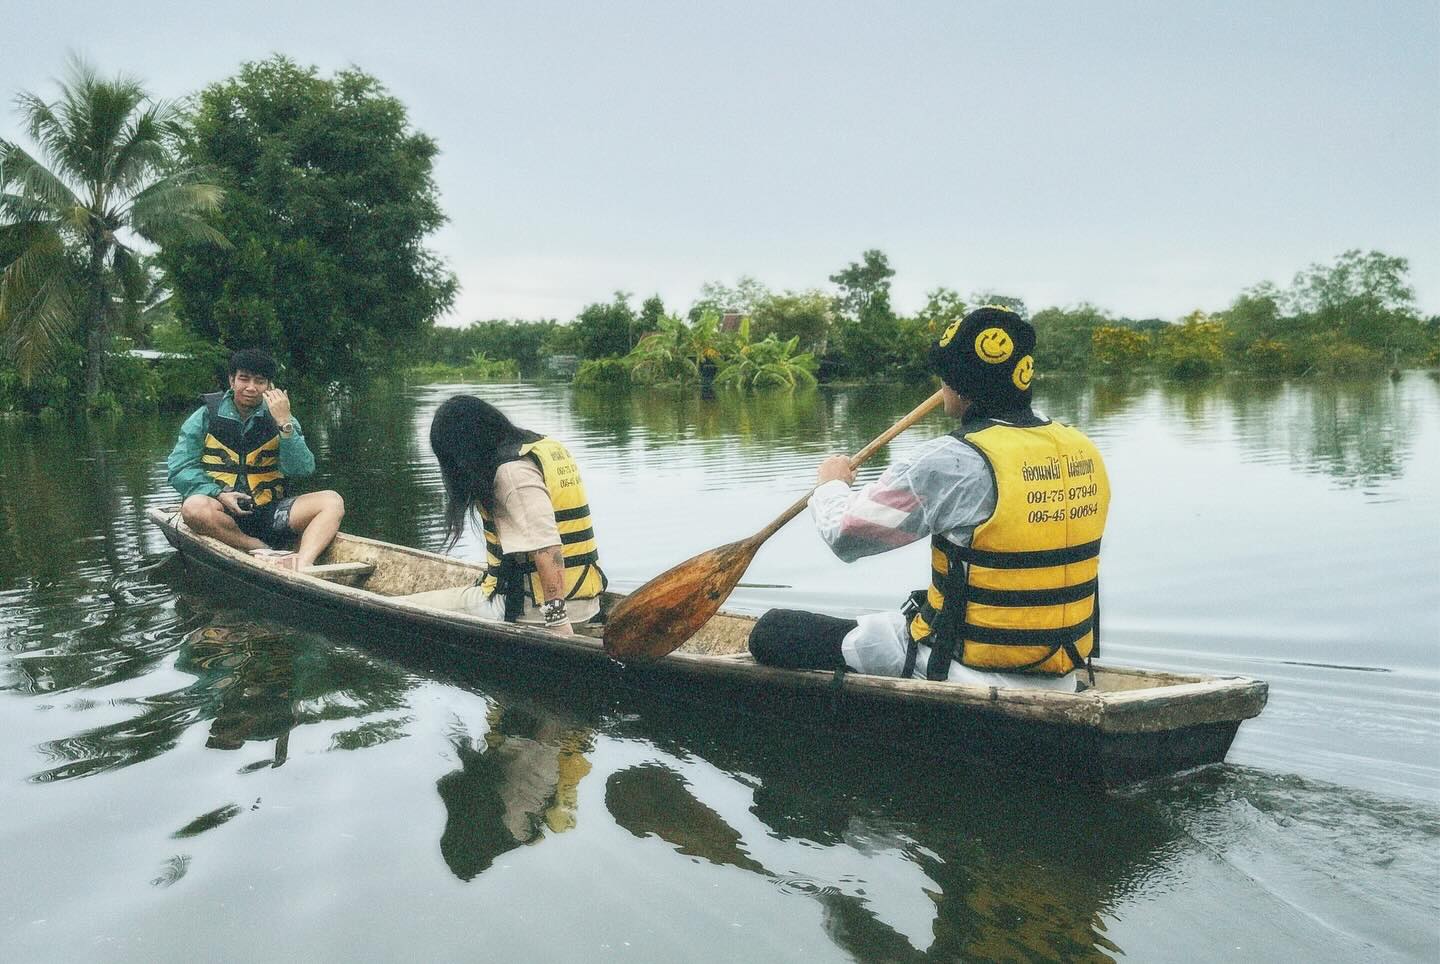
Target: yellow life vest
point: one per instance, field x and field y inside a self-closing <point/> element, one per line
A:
<point x="583" y="576"/>
<point x="240" y="458"/>
<point x="1024" y="596"/>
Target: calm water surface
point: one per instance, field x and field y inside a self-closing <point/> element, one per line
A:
<point x="189" y="774"/>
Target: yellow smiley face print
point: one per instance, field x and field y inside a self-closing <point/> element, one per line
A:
<point x="993" y="345"/>
<point x="1024" y="371"/>
<point x="949" y="334"/>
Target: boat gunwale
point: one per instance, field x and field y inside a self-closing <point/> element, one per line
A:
<point x="1185" y="699"/>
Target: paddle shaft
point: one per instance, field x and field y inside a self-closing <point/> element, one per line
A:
<point x="856" y="460"/>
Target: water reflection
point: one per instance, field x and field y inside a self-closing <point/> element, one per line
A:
<point x="254" y="683"/>
<point x="517" y="782"/>
<point x="373" y="448"/>
<point x="1357" y="433"/>
<point x="253" y="674"/>
<point x="653" y="800"/>
<point x="1008" y="871"/>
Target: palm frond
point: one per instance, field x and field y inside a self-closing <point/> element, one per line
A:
<point x="142" y="150"/>
<point x="130" y="271"/>
<point x="174" y="209"/>
<point x="39" y="308"/>
<point x="92" y="113"/>
<point x="45" y="127"/>
<point x="35" y="183"/>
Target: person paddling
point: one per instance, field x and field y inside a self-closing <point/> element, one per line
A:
<point x="1014" y="505"/>
<point x="233" y="463"/>
<point x="542" y="561"/>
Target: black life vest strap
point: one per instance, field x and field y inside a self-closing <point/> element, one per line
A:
<point x="510" y="584"/>
<point x="913" y="604"/>
<point x="947" y="639"/>
<point x="1039" y="559"/>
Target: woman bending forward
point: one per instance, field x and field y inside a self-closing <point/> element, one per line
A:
<point x="542" y="565"/>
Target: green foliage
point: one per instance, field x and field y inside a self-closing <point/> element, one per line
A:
<point x="524" y="343"/>
<point x="676" y="352"/>
<point x="199" y="365"/>
<point x="982" y="298"/>
<point x="57" y="390"/>
<point x="478" y="368"/>
<point x="769" y="365"/>
<point x="887" y="348"/>
<point x="132" y="384"/>
<point x="1118" y="349"/>
<point x="1344" y="359"/>
<point x="1268" y="357"/>
<point x="603" y="373"/>
<point x="561" y="340"/>
<point x="651" y="313"/>
<point x="1194" y="348"/>
<point x="1064" y="337"/>
<point x="329" y="196"/>
<point x="106" y="170"/>
<point x="871" y="342"/>
<point x="606" y="330"/>
<point x="1361" y="301"/>
<point x="942" y="307"/>
<point x="806" y="315"/>
<point x="864" y="287"/>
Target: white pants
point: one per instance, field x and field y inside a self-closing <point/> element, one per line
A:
<point x="471" y="600"/>
<point x="877" y="646"/>
<point x="461" y="599"/>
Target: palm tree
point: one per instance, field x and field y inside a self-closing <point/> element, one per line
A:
<point x="770" y="364"/>
<point x="109" y="173"/>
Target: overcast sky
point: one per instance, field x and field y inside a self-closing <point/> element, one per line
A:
<point x="1148" y="157"/>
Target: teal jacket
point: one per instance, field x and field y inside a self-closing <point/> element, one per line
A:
<point x="188" y="478"/>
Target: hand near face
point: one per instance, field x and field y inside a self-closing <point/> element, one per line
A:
<point x="835" y="467"/>
<point x="278" y="401"/>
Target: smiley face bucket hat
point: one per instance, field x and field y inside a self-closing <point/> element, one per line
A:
<point x="988" y="356"/>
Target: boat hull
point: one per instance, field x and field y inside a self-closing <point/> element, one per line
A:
<point x="1151" y="724"/>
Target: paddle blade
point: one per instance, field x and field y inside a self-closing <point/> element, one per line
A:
<point x="657" y="618"/>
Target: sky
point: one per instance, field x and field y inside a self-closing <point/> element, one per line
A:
<point x="1148" y="158"/>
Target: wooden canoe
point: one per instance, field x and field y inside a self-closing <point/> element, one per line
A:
<point x="1133" y="724"/>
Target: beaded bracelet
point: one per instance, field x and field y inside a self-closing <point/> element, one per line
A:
<point x="553" y="611"/>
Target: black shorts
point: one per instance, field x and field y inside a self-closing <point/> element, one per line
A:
<point x="270" y="523"/>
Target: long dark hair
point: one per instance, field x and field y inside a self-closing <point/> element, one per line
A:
<point x="471" y="439"/>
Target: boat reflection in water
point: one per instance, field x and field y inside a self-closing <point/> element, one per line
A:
<point x="513" y="786"/>
<point x="905" y="862"/>
<point x="904" y="858"/>
<point x="251" y="674"/>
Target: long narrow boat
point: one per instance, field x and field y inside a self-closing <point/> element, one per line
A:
<point x="1132" y="724"/>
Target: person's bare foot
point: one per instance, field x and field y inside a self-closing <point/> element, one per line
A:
<point x="289" y="561"/>
<point x="279" y="558"/>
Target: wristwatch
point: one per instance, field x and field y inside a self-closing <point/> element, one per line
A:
<point x="288" y="429"/>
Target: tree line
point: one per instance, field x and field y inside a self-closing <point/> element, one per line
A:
<point x="1354" y="316"/>
<point x="286" y="210"/>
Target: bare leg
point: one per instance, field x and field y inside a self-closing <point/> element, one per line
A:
<point x="208" y="517"/>
<point x="316" y="516"/>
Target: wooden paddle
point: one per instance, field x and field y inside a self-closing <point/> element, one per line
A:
<point x="657" y="618"/>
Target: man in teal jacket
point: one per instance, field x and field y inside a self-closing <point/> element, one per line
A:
<point x="232" y="464"/>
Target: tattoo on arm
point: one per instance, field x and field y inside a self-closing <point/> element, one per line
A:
<point x="550" y="565"/>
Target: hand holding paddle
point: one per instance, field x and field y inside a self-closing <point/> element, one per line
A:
<point x="657" y="618"/>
